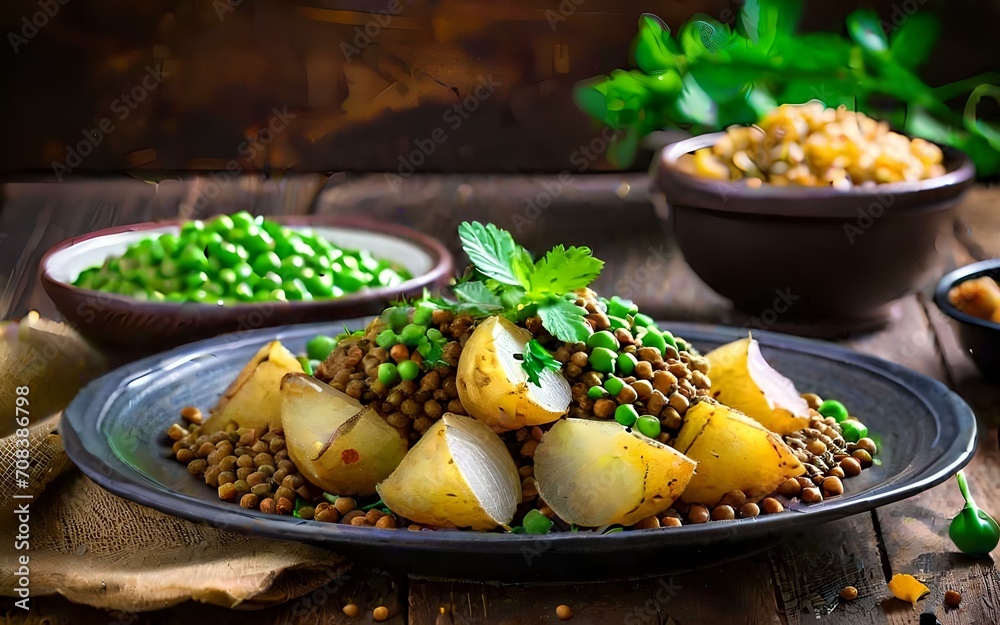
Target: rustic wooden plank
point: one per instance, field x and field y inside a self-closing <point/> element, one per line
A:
<point x="691" y="597"/>
<point x="977" y="217"/>
<point x="915" y="531"/>
<point x="810" y="572"/>
<point x="322" y="606"/>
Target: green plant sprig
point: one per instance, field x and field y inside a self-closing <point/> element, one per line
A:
<point x="507" y="281"/>
<point x="711" y="76"/>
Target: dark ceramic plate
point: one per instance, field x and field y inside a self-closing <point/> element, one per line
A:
<point x="114" y="429"/>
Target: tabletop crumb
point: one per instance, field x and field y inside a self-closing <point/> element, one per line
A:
<point x="849" y="593"/>
<point x="564" y="612"/>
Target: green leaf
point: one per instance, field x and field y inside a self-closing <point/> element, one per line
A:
<point x="562" y="270"/>
<point x="865" y="29"/>
<point x="476" y="293"/>
<point x="972" y="122"/>
<point x="695" y="106"/>
<point x="652" y="49"/>
<point x="748" y="21"/>
<point x="491" y="250"/>
<point x="564" y="320"/>
<point x="536" y="359"/>
<point x="622" y="150"/>
<point x="911" y="43"/>
<point x="703" y="36"/>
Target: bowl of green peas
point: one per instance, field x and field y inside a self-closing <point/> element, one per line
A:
<point x="146" y="287"/>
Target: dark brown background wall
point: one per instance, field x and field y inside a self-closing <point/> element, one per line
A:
<point x="217" y="72"/>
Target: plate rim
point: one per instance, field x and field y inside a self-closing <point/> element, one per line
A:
<point x="133" y="486"/>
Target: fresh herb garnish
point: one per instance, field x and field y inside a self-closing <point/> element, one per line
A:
<point x="537" y="359"/>
<point x="710" y="76"/>
<point x="512" y="284"/>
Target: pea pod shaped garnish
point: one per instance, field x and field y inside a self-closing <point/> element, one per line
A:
<point x="973" y="531"/>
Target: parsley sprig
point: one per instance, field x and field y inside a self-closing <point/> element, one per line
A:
<point x="536" y="359"/>
<point x="508" y="281"/>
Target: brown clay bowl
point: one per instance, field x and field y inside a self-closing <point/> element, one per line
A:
<point x="138" y="327"/>
<point x="808" y="260"/>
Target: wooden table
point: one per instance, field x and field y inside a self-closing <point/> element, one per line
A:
<point x="795" y="582"/>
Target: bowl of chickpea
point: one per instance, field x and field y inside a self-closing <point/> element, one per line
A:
<point x="827" y="211"/>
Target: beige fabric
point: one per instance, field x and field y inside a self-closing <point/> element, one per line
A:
<point x="98" y="549"/>
<point x="101" y="550"/>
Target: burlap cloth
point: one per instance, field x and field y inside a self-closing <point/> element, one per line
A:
<point x="98" y="549"/>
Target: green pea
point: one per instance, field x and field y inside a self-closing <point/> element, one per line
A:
<point x="411" y="334"/>
<point x="388" y="277"/>
<point x="321" y="263"/>
<point x="258" y="241"/>
<point x="614" y="385"/>
<point x="243" y="219"/>
<point x="668" y="337"/>
<point x="648" y="425"/>
<point x="422" y="314"/>
<point x="283" y="242"/>
<point x="176" y="297"/>
<point x="853" y="430"/>
<point x="435" y="335"/>
<point x="262" y="294"/>
<point x="537" y="523"/>
<point x="291" y="266"/>
<point x="228" y="253"/>
<point x="279" y="295"/>
<point x="388" y="374"/>
<point x="350" y="262"/>
<point x="833" y="408"/>
<point x="319" y="348"/>
<point x="642" y="321"/>
<point x="243" y="270"/>
<point x="228" y="277"/>
<point x="627" y="363"/>
<point x="156" y="296"/>
<point x="618" y="322"/>
<point x="203" y="296"/>
<point x="621" y="307"/>
<point x="306" y="367"/>
<point x="196" y="280"/>
<point x="192" y="258"/>
<point x="351" y="280"/>
<point x="206" y="238"/>
<point x="320" y="285"/>
<point x="170" y="285"/>
<point x="192" y="228"/>
<point x="603" y="339"/>
<point x="597" y="392"/>
<point x="296" y="290"/>
<point x="408" y="370"/>
<point x="269" y="281"/>
<point x="243" y="292"/>
<point x="386" y="339"/>
<point x="267" y="262"/>
<point x="170" y="243"/>
<point x="626" y="414"/>
<point x="222" y="224"/>
<point x="367" y="262"/>
<point x="654" y="339"/>
<point x="603" y="359"/>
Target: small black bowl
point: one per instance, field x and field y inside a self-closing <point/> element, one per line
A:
<point x="980" y="336"/>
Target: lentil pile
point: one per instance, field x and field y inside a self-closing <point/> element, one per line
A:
<point x="404" y="366"/>
<point x="255" y="472"/>
<point x="810" y="145"/>
<point x="388" y="367"/>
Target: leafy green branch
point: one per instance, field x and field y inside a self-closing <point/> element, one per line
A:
<point x="710" y="76"/>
